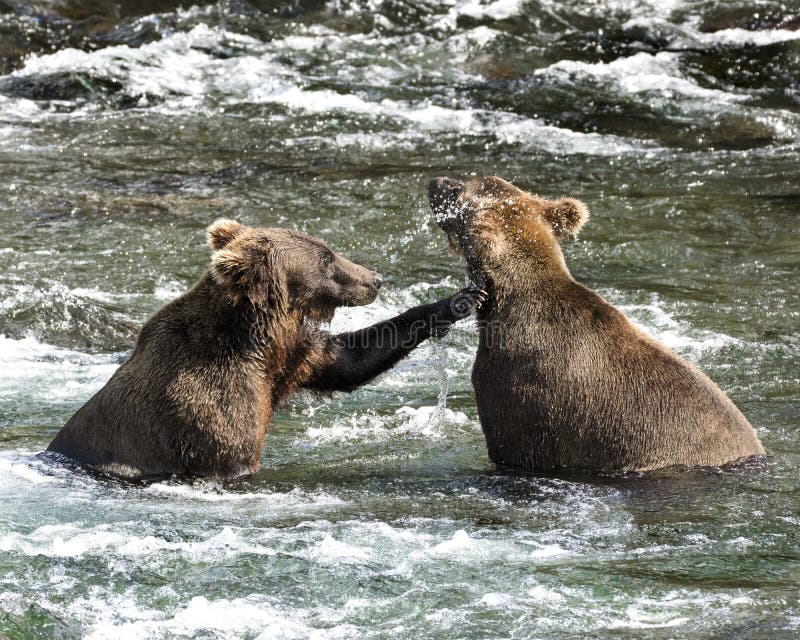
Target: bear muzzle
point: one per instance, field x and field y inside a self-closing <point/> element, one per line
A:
<point x="443" y="194"/>
<point x="364" y="290"/>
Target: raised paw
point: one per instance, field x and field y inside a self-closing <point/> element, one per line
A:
<point x="467" y="301"/>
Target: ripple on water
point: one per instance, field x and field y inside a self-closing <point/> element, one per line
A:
<point x="377" y="514"/>
<point x="33" y="370"/>
<point x="180" y="74"/>
<point x="554" y="566"/>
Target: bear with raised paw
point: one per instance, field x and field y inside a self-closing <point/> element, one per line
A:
<point x="562" y="379"/>
<point x="209" y="368"/>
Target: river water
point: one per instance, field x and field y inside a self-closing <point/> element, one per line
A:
<point x="125" y="131"/>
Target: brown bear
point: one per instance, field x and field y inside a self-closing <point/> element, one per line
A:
<point x="210" y="367"/>
<point x="562" y="379"/>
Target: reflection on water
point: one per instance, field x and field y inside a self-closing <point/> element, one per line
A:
<point x="126" y="127"/>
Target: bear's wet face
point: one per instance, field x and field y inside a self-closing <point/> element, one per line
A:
<point x="339" y="282"/>
<point x="485" y="218"/>
<point x="443" y="195"/>
<point x="287" y="270"/>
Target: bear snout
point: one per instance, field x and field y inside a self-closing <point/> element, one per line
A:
<point x="357" y="285"/>
<point x="371" y="284"/>
<point x="442" y="195"/>
<point x="367" y="292"/>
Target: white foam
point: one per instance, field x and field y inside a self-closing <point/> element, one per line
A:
<point x="178" y="70"/>
<point x="510" y="129"/>
<point x="22" y="470"/>
<point x="254" y="616"/>
<point x="468" y="41"/>
<point x="43" y="371"/>
<point x="548" y="551"/>
<point x="650" y="8"/>
<point x="742" y="543"/>
<point x="458" y="544"/>
<point x="421" y="418"/>
<point x="167" y="289"/>
<point x="784" y="124"/>
<point x="333" y="552"/>
<point x="495" y="10"/>
<point x="541" y="595"/>
<point x="670" y="609"/>
<point x="315" y="37"/>
<point x="687" y="35"/>
<point x="112" y="541"/>
<point x="508" y="9"/>
<point x="176" y="64"/>
<point x="423" y="422"/>
<point x="415" y="550"/>
<point x="638" y="619"/>
<point x="743" y="37"/>
<point x="497" y="600"/>
<point x="20" y="111"/>
<point x="95" y="294"/>
<point x="658" y="74"/>
<point x="295" y="500"/>
<point x="654" y="319"/>
<point x="505" y="127"/>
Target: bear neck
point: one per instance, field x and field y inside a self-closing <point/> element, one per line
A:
<point x="525" y="289"/>
<point x="243" y="326"/>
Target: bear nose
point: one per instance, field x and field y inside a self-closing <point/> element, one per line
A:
<point x="442" y="195"/>
<point x="378" y="281"/>
<point x="442" y="187"/>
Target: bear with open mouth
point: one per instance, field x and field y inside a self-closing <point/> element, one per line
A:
<point x="562" y="379"/>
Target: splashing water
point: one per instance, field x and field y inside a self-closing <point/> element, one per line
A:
<point x="125" y="128"/>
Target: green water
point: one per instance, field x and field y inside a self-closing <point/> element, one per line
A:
<point x="124" y="132"/>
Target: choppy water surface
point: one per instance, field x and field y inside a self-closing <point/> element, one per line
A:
<point x="124" y="132"/>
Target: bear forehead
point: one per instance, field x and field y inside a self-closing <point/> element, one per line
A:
<point x="278" y="237"/>
<point x="491" y="187"/>
<point x="495" y="195"/>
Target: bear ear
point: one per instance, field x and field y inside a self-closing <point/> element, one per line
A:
<point x="565" y="215"/>
<point x="251" y="277"/>
<point x="221" y="232"/>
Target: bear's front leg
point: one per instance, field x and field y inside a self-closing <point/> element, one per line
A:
<point x="361" y="355"/>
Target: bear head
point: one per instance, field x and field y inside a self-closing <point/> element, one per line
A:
<point x="286" y="271"/>
<point x="503" y="232"/>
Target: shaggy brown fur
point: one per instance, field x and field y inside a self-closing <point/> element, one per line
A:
<point x="197" y="394"/>
<point x="562" y="379"/>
